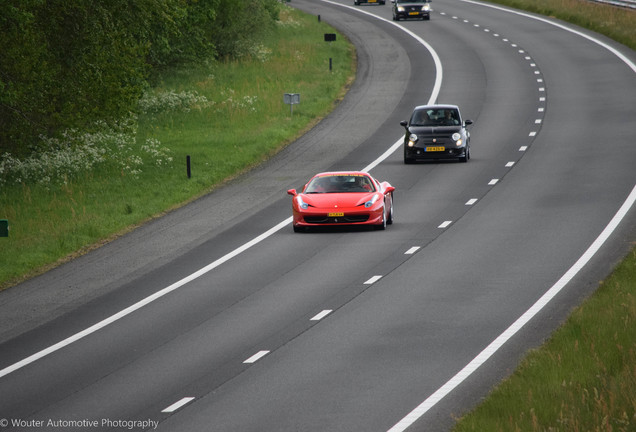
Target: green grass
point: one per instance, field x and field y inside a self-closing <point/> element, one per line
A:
<point x="582" y="379"/>
<point x="237" y="120"/>
<point x="616" y="23"/>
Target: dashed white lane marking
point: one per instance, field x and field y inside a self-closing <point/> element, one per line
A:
<point x="500" y="341"/>
<point x="373" y="280"/>
<point x="175" y="406"/>
<point x="493" y="182"/>
<point x="321" y="315"/>
<point x="504" y="337"/>
<point x="471" y="201"/>
<point x="412" y="250"/>
<point x="256" y="357"/>
<point x="445" y="224"/>
<point x="510" y="164"/>
<point x="285" y="223"/>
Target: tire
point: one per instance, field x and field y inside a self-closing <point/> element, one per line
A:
<point x="390" y="220"/>
<point x="466" y="157"/>
<point x="407" y="160"/>
<point x="382" y="226"/>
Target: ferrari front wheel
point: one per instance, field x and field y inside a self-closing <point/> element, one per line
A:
<point x="382" y="225"/>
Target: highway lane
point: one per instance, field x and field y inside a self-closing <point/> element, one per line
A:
<point x="385" y="346"/>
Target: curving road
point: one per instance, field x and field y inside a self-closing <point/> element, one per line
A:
<point x="218" y="317"/>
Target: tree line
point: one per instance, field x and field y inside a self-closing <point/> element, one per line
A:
<point x="67" y="64"/>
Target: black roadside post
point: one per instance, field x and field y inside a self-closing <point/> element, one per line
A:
<point x="330" y="37"/>
<point x="188" y="166"/>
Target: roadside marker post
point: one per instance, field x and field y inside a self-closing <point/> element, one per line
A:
<point x="291" y="99"/>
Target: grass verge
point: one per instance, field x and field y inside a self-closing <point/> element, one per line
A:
<point x="228" y="117"/>
<point x="614" y="22"/>
<point x="584" y="377"/>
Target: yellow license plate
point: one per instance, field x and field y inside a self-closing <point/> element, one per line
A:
<point x="335" y="214"/>
<point x="414" y="13"/>
<point x="434" y="149"/>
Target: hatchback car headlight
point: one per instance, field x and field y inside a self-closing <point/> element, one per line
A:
<point x="400" y="8"/>
<point x="372" y="201"/>
<point x="412" y="140"/>
<point x="458" y="139"/>
<point x="426" y="7"/>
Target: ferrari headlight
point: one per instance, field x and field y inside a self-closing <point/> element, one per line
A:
<point x="302" y="204"/>
<point x="372" y="201"/>
<point x="412" y="140"/>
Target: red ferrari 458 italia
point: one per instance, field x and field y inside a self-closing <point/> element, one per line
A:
<point x="343" y="198"/>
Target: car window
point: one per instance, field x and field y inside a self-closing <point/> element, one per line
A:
<point x="339" y="184"/>
<point x="435" y="117"/>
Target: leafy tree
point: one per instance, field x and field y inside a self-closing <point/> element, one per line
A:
<point x="67" y="64"/>
<point x="240" y="22"/>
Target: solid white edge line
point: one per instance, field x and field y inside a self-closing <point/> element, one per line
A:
<point x="145" y="301"/>
<point x="614" y="51"/>
<point x="495" y="345"/>
<point x="436" y="89"/>
<point x="175" y="406"/>
<point x="420" y="410"/>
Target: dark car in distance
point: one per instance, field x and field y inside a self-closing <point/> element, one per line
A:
<point x="405" y="9"/>
<point x="436" y="132"/>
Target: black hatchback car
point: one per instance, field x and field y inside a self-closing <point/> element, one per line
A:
<point x="403" y="9"/>
<point x="436" y="132"/>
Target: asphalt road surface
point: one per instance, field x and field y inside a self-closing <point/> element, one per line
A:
<point x="218" y="317"/>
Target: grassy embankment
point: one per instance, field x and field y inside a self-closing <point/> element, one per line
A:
<point x="228" y="117"/>
<point x="584" y="377"/>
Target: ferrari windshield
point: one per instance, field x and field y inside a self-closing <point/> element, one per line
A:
<point x="340" y="184"/>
